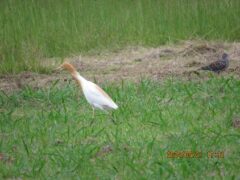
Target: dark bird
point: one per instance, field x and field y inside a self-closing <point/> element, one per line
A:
<point x="219" y="65"/>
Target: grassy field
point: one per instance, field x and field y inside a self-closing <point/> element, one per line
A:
<point x="34" y="30"/>
<point x="50" y="133"/>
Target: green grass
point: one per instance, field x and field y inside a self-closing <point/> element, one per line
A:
<point x="33" y="30"/>
<point x="50" y="134"/>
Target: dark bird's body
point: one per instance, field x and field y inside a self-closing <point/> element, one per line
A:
<point x="219" y="65"/>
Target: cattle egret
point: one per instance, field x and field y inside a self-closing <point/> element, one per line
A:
<point x="95" y="96"/>
<point x="219" y="65"/>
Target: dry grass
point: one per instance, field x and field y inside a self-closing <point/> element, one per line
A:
<point x="134" y="63"/>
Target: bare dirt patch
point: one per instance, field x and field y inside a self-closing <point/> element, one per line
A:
<point x="133" y="63"/>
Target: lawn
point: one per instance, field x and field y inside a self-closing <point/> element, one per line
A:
<point x="49" y="133"/>
<point x="32" y="31"/>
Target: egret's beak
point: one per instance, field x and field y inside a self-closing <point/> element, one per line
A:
<point x="58" y="69"/>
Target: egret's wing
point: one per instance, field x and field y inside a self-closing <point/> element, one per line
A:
<point x="100" y="97"/>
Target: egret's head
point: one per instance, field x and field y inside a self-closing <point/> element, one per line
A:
<point x="68" y="67"/>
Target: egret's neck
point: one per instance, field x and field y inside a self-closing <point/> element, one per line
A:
<point x="80" y="80"/>
<point x="70" y="68"/>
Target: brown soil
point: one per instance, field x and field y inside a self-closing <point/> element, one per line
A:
<point x="181" y="60"/>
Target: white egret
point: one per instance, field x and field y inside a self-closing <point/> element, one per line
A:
<point x="95" y="96"/>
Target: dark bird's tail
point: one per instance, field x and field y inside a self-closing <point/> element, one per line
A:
<point x="205" y="68"/>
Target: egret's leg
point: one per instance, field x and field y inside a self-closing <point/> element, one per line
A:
<point x="112" y="118"/>
<point x="93" y="115"/>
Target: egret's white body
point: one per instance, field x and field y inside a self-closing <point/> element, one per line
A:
<point x="95" y="96"/>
